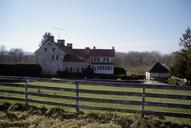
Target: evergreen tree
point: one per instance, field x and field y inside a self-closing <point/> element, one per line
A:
<point x="181" y="66"/>
<point x="46" y="37"/>
<point x="185" y="40"/>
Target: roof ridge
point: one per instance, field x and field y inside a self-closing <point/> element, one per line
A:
<point x="159" y="68"/>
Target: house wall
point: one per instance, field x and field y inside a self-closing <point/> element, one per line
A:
<point x="74" y="66"/>
<point x="102" y="59"/>
<point x="159" y="76"/>
<point x="79" y="67"/>
<point x="102" y="64"/>
<point x="50" y="58"/>
<point x="103" y="69"/>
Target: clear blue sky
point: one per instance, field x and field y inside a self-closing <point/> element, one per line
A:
<point x="128" y="25"/>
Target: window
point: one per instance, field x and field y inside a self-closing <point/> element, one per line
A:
<point x="82" y="69"/>
<point x="53" y="49"/>
<point x="66" y="68"/>
<point x="77" y="69"/>
<point x="96" y="59"/>
<point x="56" y="57"/>
<point x="52" y="57"/>
<point x="45" y="49"/>
<point x="108" y="59"/>
<point x="70" y="69"/>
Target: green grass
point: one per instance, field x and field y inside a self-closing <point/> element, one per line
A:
<point x="104" y="96"/>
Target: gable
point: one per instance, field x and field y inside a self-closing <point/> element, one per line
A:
<point x="48" y="44"/>
<point x="159" y="68"/>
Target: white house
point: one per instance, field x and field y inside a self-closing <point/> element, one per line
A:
<point x="56" y="56"/>
<point x="158" y="72"/>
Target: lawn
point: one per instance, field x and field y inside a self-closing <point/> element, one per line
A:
<point x="103" y="96"/>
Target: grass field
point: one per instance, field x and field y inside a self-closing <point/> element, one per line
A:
<point x="102" y="96"/>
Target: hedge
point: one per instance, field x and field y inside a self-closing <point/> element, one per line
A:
<point x="119" y="71"/>
<point x="67" y="74"/>
<point x="132" y="77"/>
<point x="20" y="69"/>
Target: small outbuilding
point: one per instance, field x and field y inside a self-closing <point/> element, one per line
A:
<point x="158" y="72"/>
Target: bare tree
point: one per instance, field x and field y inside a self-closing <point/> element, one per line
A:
<point x="15" y="55"/>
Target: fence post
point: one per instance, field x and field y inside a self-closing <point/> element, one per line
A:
<point x="77" y="96"/>
<point x="143" y="99"/>
<point x="26" y="92"/>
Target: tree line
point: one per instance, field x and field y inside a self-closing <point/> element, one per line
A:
<point x="181" y="65"/>
<point x="15" y="56"/>
<point x="139" y="62"/>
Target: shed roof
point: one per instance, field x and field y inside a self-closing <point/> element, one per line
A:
<point x="159" y="68"/>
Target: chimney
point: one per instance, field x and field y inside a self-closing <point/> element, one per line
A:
<point x="87" y="50"/>
<point x="94" y="47"/>
<point x="61" y="42"/>
<point x="113" y="48"/>
<point x="69" y="45"/>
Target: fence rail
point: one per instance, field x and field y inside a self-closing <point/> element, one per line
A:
<point x="143" y="94"/>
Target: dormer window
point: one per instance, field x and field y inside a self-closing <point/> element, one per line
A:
<point x="53" y="49"/>
<point x="45" y="49"/>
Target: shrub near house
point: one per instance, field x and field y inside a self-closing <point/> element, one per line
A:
<point x="20" y="69"/>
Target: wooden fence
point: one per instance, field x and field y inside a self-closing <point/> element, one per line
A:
<point x="77" y="90"/>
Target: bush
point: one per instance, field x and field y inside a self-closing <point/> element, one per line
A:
<point x="132" y="77"/>
<point x="119" y="71"/>
<point x="88" y="72"/>
<point x="76" y="75"/>
<point x="178" y="81"/>
<point x="105" y="76"/>
<point x="174" y="81"/>
<point x="64" y="73"/>
<point x="20" y="69"/>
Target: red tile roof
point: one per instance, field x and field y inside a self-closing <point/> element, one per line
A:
<point x="80" y="55"/>
<point x="77" y="55"/>
<point x="102" y="52"/>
